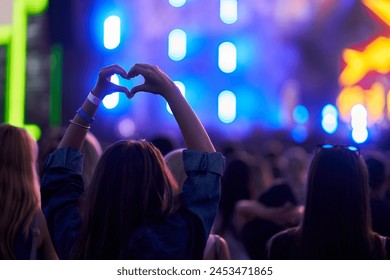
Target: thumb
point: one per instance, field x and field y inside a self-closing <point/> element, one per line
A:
<point x="117" y="88"/>
<point x="138" y="88"/>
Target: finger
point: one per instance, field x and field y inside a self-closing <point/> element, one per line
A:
<point x="117" y="88"/>
<point x="139" y="69"/>
<point x="111" y="70"/>
<point x="138" y="88"/>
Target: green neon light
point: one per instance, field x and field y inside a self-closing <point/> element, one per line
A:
<point x="15" y="36"/>
<point x="56" y="85"/>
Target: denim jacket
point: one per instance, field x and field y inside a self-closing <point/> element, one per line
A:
<point x="181" y="235"/>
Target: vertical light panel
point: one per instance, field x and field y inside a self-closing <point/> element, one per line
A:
<point x="112" y="32"/>
<point x="359" y="123"/>
<point x="227" y="57"/>
<point x="329" y="121"/>
<point x="182" y="89"/>
<point x="177" y="3"/>
<point x="227" y="106"/>
<point x="228" y="11"/>
<point x="177" y="44"/>
<point x="112" y="100"/>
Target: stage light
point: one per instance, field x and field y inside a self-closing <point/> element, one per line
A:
<point x="182" y="89"/>
<point x="330" y="109"/>
<point x="227" y="57"/>
<point x="299" y="133"/>
<point x="112" y="32"/>
<point x="360" y="135"/>
<point x="359" y="123"/>
<point x="227" y="106"/>
<point x="177" y="44"/>
<point x="228" y="11"/>
<point x="329" y="123"/>
<point x="177" y="3"/>
<point x="358" y="117"/>
<point x="126" y="127"/>
<point x="112" y="100"/>
<point x="301" y="114"/>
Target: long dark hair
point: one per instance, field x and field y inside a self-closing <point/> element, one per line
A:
<point x="131" y="184"/>
<point x="336" y="222"/>
<point x="19" y="186"/>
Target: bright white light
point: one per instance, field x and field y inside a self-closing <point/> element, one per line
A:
<point x="177" y="44"/>
<point x="360" y="135"/>
<point x="182" y="89"/>
<point x="330" y="110"/>
<point x="126" y="127"/>
<point x="177" y="3"/>
<point x="227" y="106"/>
<point x="358" y="117"/>
<point x="228" y="11"/>
<point x="227" y="57"/>
<point x="112" y="32"/>
<point x="329" y="123"/>
<point x="112" y="100"/>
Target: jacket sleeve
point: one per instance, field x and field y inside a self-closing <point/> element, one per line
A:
<point x="61" y="188"/>
<point x="201" y="190"/>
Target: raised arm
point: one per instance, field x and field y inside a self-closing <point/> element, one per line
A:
<point x="79" y="125"/>
<point x="156" y="81"/>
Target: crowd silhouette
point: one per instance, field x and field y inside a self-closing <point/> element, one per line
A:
<point x="139" y="199"/>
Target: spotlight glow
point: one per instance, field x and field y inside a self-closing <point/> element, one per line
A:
<point x="177" y="44"/>
<point x="112" y="32"/>
<point x="228" y="11"/>
<point x="329" y="123"/>
<point x="301" y="114"/>
<point x="177" y="3"/>
<point x="299" y="133"/>
<point x="227" y="57"/>
<point x="330" y="109"/>
<point x="360" y="135"/>
<point x="329" y="119"/>
<point x="112" y="100"/>
<point x="126" y="128"/>
<point x="358" y="117"/>
<point x="227" y="106"/>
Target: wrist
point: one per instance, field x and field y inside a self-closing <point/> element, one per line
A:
<point x="94" y="99"/>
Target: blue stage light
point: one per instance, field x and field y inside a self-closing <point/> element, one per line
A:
<point x="301" y="114"/>
<point x="112" y="32"/>
<point x="227" y="57"/>
<point x="177" y="44"/>
<point x="177" y="3"/>
<point x="227" y="106"/>
<point x="228" y="11"/>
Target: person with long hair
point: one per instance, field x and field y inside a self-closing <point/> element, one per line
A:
<point x="23" y="229"/>
<point x="336" y="222"/>
<point x="128" y="209"/>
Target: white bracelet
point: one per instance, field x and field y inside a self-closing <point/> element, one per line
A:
<point x="95" y="100"/>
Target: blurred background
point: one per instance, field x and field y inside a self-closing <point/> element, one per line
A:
<point x="302" y="71"/>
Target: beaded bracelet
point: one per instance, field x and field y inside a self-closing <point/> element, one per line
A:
<point x="79" y="124"/>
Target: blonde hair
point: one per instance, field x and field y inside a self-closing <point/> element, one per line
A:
<point x="19" y="185"/>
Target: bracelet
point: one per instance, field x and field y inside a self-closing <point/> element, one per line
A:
<point x="79" y="124"/>
<point x="85" y="116"/>
<point x="94" y="100"/>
